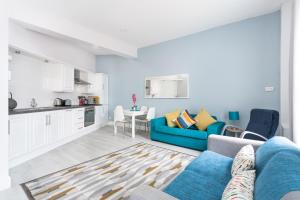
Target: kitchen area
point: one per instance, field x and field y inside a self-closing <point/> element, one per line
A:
<point x="51" y="103"/>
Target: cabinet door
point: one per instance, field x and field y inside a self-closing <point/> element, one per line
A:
<point x="92" y="88"/>
<point x="54" y="126"/>
<point x="59" y="78"/>
<point x="68" y="78"/>
<point x="105" y="115"/>
<point x="102" y="87"/>
<point x="18" y="135"/>
<point x="37" y="130"/>
<point x="78" y="120"/>
<point x="68" y="123"/>
<point x="98" y="114"/>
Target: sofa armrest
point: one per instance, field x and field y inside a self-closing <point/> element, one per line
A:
<point x="145" y="192"/>
<point x="161" y="121"/>
<point x="293" y="195"/>
<point x="215" y="128"/>
<point x="229" y="146"/>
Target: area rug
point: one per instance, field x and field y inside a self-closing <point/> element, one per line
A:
<point x="113" y="176"/>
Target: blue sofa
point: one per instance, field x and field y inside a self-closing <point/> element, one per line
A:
<point x="277" y="172"/>
<point x="190" y="138"/>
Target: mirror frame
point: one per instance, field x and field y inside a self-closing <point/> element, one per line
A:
<point x="171" y="76"/>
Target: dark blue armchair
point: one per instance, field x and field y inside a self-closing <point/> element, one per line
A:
<point x="262" y="125"/>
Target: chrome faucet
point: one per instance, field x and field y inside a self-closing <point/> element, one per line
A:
<point x="33" y="103"/>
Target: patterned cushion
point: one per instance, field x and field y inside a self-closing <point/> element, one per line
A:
<point x="203" y="120"/>
<point x="241" y="186"/>
<point x="244" y="160"/>
<point x="170" y="117"/>
<point x="185" y="120"/>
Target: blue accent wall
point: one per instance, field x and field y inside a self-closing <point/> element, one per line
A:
<point x="229" y="67"/>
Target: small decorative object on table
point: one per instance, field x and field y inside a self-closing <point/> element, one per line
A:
<point x="233" y="116"/>
<point x="134" y="107"/>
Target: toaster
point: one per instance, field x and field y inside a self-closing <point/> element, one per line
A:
<point x="68" y="102"/>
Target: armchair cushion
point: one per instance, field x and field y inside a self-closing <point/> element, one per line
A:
<point x="263" y="122"/>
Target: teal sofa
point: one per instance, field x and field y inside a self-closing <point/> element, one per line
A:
<point x="190" y="138"/>
<point x="277" y="165"/>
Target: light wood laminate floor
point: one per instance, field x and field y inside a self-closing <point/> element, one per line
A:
<point x="90" y="146"/>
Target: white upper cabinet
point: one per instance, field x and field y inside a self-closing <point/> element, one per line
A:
<point x="102" y="87"/>
<point x="60" y="77"/>
<point x="92" y="88"/>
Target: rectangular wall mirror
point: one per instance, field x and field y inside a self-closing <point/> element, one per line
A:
<point x="172" y="86"/>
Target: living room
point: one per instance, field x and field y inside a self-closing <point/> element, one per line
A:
<point x="150" y="100"/>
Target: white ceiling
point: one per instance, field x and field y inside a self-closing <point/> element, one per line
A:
<point x="145" y="22"/>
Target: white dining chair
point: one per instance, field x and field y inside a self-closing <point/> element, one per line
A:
<point x="144" y="108"/>
<point x="119" y="118"/>
<point x="150" y="115"/>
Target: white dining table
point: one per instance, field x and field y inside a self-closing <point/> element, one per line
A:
<point x="133" y="114"/>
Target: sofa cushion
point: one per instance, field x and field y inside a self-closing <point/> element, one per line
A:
<point x="190" y="186"/>
<point x="185" y="120"/>
<point x="204" y="119"/>
<point x="205" y="178"/>
<point x="183" y="132"/>
<point x="243" y="160"/>
<point x="265" y="152"/>
<point x="279" y="176"/>
<point x="213" y="164"/>
<point x="241" y="186"/>
<point x="170" y="117"/>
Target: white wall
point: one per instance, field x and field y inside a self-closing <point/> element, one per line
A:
<point x="296" y="78"/>
<point x="286" y="65"/>
<point x="4" y="177"/>
<point x="59" y="50"/>
<point x="28" y="80"/>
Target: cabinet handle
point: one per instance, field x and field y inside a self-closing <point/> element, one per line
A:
<point x="49" y="119"/>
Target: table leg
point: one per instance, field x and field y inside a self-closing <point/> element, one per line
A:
<point x="133" y="126"/>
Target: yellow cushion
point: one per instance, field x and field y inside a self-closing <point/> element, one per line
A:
<point x="203" y="120"/>
<point x="171" y="117"/>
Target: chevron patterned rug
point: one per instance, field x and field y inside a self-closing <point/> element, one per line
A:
<point x="113" y="176"/>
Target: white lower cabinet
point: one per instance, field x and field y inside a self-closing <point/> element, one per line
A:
<point x="78" y="120"/>
<point x="101" y="115"/>
<point x="54" y="126"/>
<point x="68" y="123"/>
<point x="33" y="134"/>
<point x="18" y="135"/>
<point x="37" y="130"/>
